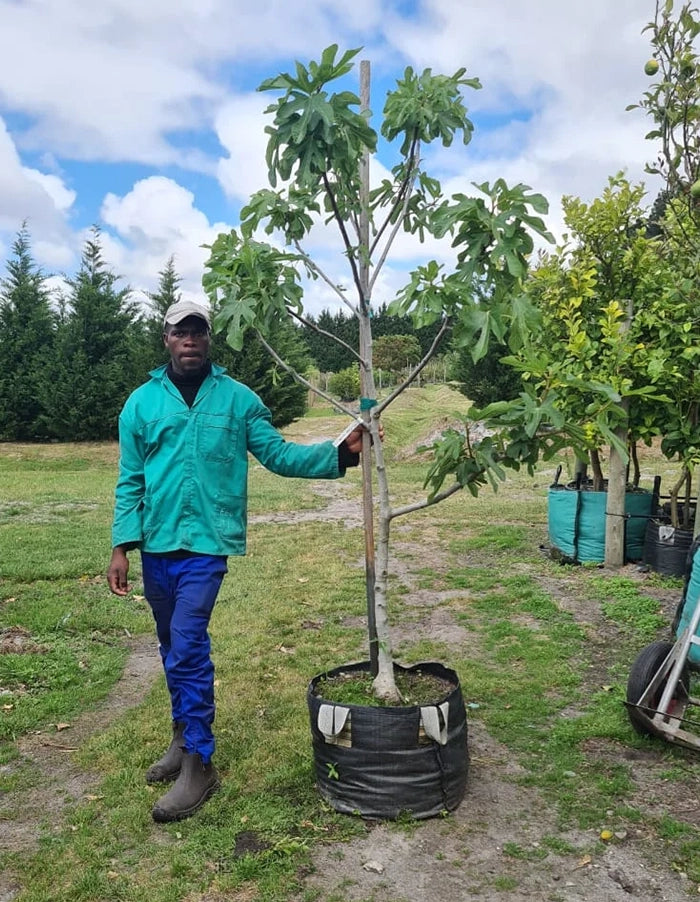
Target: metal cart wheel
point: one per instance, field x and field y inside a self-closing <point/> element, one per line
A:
<point x="643" y="670"/>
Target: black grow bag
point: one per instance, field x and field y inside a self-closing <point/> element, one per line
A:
<point x="381" y="761"/>
<point x="666" y="548"/>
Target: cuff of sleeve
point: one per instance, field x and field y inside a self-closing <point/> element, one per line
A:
<point x="346" y="458"/>
<point x="127" y="546"/>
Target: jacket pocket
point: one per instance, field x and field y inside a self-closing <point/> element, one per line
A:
<point x="217" y="437"/>
<point x="230" y="517"/>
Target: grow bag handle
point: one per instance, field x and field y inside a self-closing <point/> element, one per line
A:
<point x="434" y="721"/>
<point x="331" y="720"/>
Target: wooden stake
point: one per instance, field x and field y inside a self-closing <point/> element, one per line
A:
<point x="367" y="389"/>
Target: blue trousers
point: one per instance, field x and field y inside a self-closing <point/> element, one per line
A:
<point x="182" y="593"/>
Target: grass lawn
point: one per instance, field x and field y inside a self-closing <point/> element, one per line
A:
<point x="543" y="653"/>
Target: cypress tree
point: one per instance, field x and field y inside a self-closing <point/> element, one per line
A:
<point x="253" y="366"/>
<point x="27" y="330"/>
<point x="97" y="345"/>
<point x="167" y="293"/>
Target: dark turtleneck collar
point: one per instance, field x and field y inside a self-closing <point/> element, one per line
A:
<point x="188" y="383"/>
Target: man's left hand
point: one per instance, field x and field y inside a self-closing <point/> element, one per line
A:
<point x="354" y="440"/>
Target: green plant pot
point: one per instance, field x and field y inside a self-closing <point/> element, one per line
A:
<point x="381" y="762"/>
<point x="576" y="523"/>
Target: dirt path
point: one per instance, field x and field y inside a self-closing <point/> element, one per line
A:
<point x="490" y="849"/>
<point x="467" y="855"/>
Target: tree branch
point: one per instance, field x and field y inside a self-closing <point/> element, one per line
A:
<point x="311" y="325"/>
<point x="346" y="240"/>
<point x="427" y="502"/>
<point x="446" y="323"/>
<point x="406" y="190"/>
<point x="312" y="265"/>
<point x="400" y="195"/>
<point x="299" y="378"/>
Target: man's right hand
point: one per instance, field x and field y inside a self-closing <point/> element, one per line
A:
<point x="118" y="572"/>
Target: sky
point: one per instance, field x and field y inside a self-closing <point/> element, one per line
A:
<point x="142" y="116"/>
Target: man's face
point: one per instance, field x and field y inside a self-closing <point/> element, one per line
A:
<point x="188" y="344"/>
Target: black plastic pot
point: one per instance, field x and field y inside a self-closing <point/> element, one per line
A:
<point x="666" y="548"/>
<point x="378" y="762"/>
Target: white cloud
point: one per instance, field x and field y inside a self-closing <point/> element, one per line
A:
<point x="240" y="129"/>
<point x="95" y="89"/>
<point x="156" y="219"/>
<point x="164" y="85"/>
<point x="114" y="80"/>
<point x="41" y="200"/>
<point x="61" y="196"/>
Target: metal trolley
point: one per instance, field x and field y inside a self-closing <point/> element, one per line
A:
<point x="658" y="689"/>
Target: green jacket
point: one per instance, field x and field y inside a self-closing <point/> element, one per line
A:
<point x="183" y="472"/>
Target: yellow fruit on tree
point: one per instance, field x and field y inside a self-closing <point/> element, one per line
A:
<point x="652" y="67"/>
<point x="695" y="189"/>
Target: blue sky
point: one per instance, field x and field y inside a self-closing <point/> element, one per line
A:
<point x="142" y="117"/>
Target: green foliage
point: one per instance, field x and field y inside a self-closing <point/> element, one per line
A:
<point x="73" y="367"/>
<point x="345" y="384"/>
<point x="395" y="353"/>
<point x="427" y="107"/>
<point x="673" y="104"/>
<point x="486" y="380"/>
<point x="311" y="127"/>
<point x="251" y="285"/>
<point x="93" y="368"/>
<point x="603" y="355"/>
<point x="316" y="142"/>
<point x="27" y="333"/>
<point x="673" y="99"/>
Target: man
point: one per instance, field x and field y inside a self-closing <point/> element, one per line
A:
<point x="181" y="499"/>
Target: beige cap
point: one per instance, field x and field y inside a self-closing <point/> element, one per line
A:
<point x="177" y="312"/>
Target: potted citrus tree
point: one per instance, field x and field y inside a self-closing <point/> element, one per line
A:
<point x="605" y="350"/>
<point x="378" y="760"/>
<point x="671" y="101"/>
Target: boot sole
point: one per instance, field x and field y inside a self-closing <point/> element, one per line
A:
<point x="162" y="816"/>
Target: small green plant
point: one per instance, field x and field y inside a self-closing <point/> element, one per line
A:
<point x="345" y="384"/>
<point x="533" y="853"/>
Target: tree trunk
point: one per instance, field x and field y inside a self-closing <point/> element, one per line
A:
<point x="615" y="509"/>
<point x="617" y="485"/>
<point x="381" y="661"/>
<point x="598" y="478"/>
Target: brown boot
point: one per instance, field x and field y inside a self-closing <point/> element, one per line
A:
<point x="168" y="767"/>
<point x="197" y="781"/>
